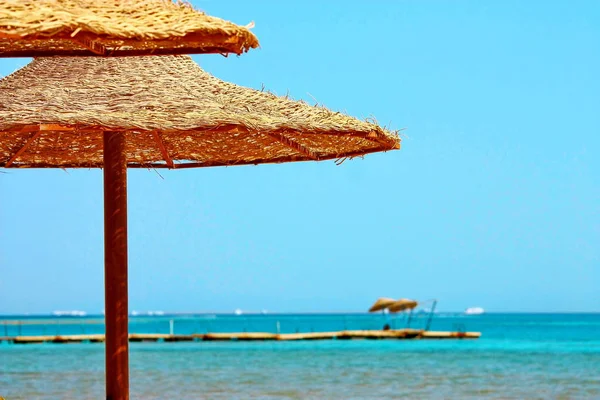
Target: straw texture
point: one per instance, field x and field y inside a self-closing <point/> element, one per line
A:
<point x="30" y="28"/>
<point x="53" y="113"/>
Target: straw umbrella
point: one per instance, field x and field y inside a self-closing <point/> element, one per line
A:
<point x="30" y="28"/>
<point x="403" y="305"/>
<point x="156" y="112"/>
<point x="381" y="304"/>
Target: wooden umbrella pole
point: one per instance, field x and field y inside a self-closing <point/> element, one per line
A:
<point x="115" y="266"/>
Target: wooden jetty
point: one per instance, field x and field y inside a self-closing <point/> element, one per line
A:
<point x="398" y="334"/>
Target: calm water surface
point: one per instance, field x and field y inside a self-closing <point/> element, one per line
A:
<point x="518" y="357"/>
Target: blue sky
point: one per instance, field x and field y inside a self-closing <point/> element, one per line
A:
<point x="493" y="201"/>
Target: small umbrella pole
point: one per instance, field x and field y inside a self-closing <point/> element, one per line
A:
<point x="431" y="315"/>
<point x="115" y="266"/>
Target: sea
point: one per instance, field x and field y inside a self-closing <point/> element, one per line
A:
<point x="519" y="356"/>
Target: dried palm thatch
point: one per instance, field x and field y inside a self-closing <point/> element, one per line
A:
<point x="30" y="28"/>
<point x="175" y="115"/>
<point x="402" y="304"/>
<point x="381" y="304"/>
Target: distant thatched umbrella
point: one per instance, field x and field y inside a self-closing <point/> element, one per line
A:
<point x="156" y="112"/>
<point x="381" y="304"/>
<point x="30" y="28"/>
<point x="402" y="305"/>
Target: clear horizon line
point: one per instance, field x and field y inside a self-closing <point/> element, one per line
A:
<point x="165" y="313"/>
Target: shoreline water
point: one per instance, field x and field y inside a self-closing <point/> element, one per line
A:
<point x="518" y="356"/>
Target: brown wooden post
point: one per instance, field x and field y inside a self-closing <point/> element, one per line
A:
<point x="115" y="266"/>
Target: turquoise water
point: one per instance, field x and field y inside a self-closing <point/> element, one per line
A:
<point x="520" y="356"/>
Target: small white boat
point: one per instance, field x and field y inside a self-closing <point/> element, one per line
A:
<point x="74" y="313"/>
<point x="238" y="312"/>
<point x="474" y="311"/>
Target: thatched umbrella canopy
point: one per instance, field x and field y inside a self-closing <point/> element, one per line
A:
<point x="381" y="304"/>
<point x="53" y="113"/>
<point x="156" y="112"/>
<point x="402" y="305"/>
<point x="30" y="28"/>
